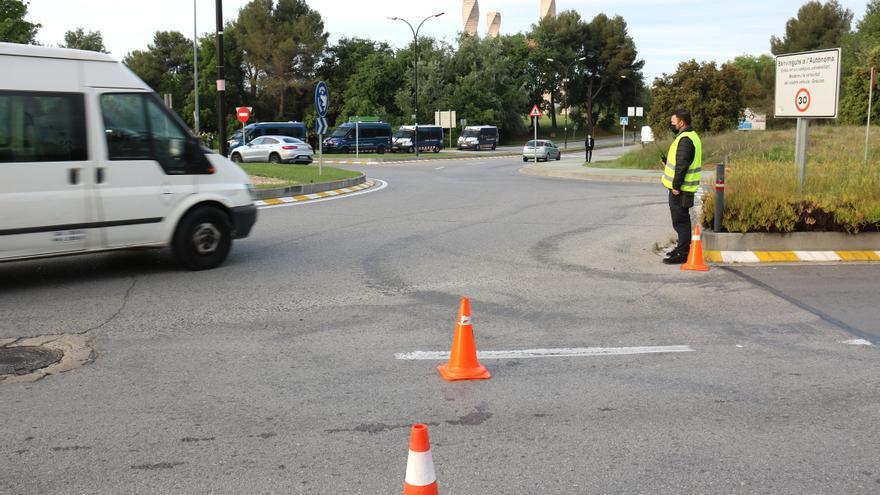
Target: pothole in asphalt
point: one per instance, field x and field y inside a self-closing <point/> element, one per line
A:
<point x="25" y="360"/>
<point x="30" y="359"/>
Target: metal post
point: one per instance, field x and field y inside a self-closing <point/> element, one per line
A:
<point x="320" y="154"/>
<point x="623" y="139"/>
<point x="536" y="141"/>
<point x="801" y="148"/>
<point x="719" y="196"/>
<point x="196" y="67"/>
<point x="221" y="82"/>
<point x="357" y="140"/>
<point x="870" y="101"/>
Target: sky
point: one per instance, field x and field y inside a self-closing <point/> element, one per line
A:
<point x="665" y="32"/>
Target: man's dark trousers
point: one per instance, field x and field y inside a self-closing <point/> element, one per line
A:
<point x="589" y="155"/>
<point x="679" y="207"/>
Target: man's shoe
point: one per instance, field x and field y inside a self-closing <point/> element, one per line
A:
<point x="675" y="259"/>
<point x="671" y="252"/>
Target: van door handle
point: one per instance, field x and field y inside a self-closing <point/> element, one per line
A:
<point x="99" y="175"/>
<point x="74" y="176"/>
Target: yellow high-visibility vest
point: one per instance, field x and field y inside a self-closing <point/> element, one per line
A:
<point x="692" y="179"/>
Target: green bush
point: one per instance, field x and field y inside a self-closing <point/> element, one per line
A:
<point x="841" y="194"/>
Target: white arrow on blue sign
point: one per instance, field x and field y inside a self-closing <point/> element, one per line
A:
<point x="321" y="126"/>
<point x="322" y="99"/>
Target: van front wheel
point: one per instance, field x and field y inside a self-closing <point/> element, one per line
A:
<point x="203" y="238"/>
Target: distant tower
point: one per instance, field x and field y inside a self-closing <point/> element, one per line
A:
<point x="548" y="8"/>
<point x="494" y="21"/>
<point x="470" y="16"/>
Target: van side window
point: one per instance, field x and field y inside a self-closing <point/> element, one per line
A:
<point x="42" y="127"/>
<point x="169" y="140"/>
<point x="137" y="127"/>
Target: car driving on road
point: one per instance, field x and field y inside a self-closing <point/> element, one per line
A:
<point x="541" y="150"/>
<point x="274" y="149"/>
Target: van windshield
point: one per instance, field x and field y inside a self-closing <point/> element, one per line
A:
<point x="341" y="132"/>
<point x="405" y="134"/>
<point x="471" y="133"/>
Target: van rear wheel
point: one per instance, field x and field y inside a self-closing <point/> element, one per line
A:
<point x="203" y="238"/>
<point x="380" y="150"/>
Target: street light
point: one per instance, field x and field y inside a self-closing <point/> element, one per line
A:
<point x="567" y="101"/>
<point x="415" y="33"/>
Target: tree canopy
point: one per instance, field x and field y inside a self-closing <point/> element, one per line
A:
<point x="79" y="39"/>
<point x="13" y="27"/>
<point x="816" y="26"/>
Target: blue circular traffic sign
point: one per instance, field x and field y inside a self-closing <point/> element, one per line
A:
<point x="322" y="99"/>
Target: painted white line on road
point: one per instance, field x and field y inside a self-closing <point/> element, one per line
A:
<point x="543" y="353"/>
<point x="857" y="342"/>
<point x="381" y="185"/>
<point x="439" y="168"/>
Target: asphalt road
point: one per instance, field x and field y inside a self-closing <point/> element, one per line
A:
<point x="276" y="372"/>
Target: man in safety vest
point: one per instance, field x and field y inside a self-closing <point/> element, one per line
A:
<point x="682" y="178"/>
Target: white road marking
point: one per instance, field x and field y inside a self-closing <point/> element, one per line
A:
<point x="857" y="342"/>
<point x="439" y="168"/>
<point x="381" y="185"/>
<point x="540" y="353"/>
<point x="817" y="255"/>
<point x="739" y="257"/>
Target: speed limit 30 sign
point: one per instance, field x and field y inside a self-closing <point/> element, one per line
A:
<point x="808" y="84"/>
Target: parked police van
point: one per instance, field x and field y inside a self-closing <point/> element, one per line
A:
<point x="479" y="137"/>
<point x="359" y="136"/>
<point x="259" y="129"/>
<point x="92" y="160"/>
<point x="430" y="138"/>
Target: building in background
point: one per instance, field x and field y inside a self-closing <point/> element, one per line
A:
<point x="470" y="15"/>
<point x="494" y="22"/>
<point x="548" y="8"/>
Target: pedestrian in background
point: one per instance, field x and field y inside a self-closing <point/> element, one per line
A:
<point x="681" y="177"/>
<point x="589" y="144"/>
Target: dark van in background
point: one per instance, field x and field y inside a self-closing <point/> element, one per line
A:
<point x="480" y="137"/>
<point x="373" y="136"/>
<point x="430" y="139"/>
<point x="253" y="131"/>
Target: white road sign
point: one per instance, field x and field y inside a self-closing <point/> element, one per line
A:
<point x="808" y="84"/>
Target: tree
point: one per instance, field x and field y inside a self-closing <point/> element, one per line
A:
<point x="759" y="79"/>
<point x="236" y="95"/>
<point x="91" y="41"/>
<point x="13" y="27"/>
<point x="341" y="61"/>
<point x="166" y="66"/>
<point x="282" y="44"/>
<point x="816" y="26"/>
<point x="370" y="90"/>
<point x="861" y="51"/>
<point x="713" y="96"/>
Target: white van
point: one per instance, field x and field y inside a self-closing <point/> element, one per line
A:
<point x="92" y="160"/>
<point x="647" y="134"/>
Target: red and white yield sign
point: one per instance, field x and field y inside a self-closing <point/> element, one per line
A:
<point x="244" y="113"/>
<point x="536" y="112"/>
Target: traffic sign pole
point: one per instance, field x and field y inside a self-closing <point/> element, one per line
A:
<point x="800" y="149"/>
<point x="322" y="105"/>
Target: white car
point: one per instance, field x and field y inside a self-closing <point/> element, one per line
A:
<point x="92" y="160"/>
<point x="274" y="149"/>
<point x="543" y="150"/>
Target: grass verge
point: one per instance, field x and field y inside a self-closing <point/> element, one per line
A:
<point x="296" y="174"/>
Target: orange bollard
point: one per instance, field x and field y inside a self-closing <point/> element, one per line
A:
<point x="463" y="363"/>
<point x="695" y="261"/>
<point x="420" y="476"/>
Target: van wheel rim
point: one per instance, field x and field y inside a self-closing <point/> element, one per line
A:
<point x="206" y="238"/>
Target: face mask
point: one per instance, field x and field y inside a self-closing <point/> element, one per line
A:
<point x="673" y="128"/>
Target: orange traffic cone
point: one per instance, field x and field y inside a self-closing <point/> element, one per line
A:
<point x="420" y="476"/>
<point x="463" y="364"/>
<point x="695" y="257"/>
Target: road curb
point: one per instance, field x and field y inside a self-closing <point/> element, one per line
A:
<point x="793" y="241"/>
<point x="759" y="257"/>
<point x="308" y="189"/>
<point x="315" y="195"/>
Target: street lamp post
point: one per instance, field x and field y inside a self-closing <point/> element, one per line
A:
<point x="567" y="100"/>
<point x="221" y="82"/>
<point x="415" y="33"/>
<point x="196" y="68"/>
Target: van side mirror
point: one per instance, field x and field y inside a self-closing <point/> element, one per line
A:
<point x="196" y="161"/>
